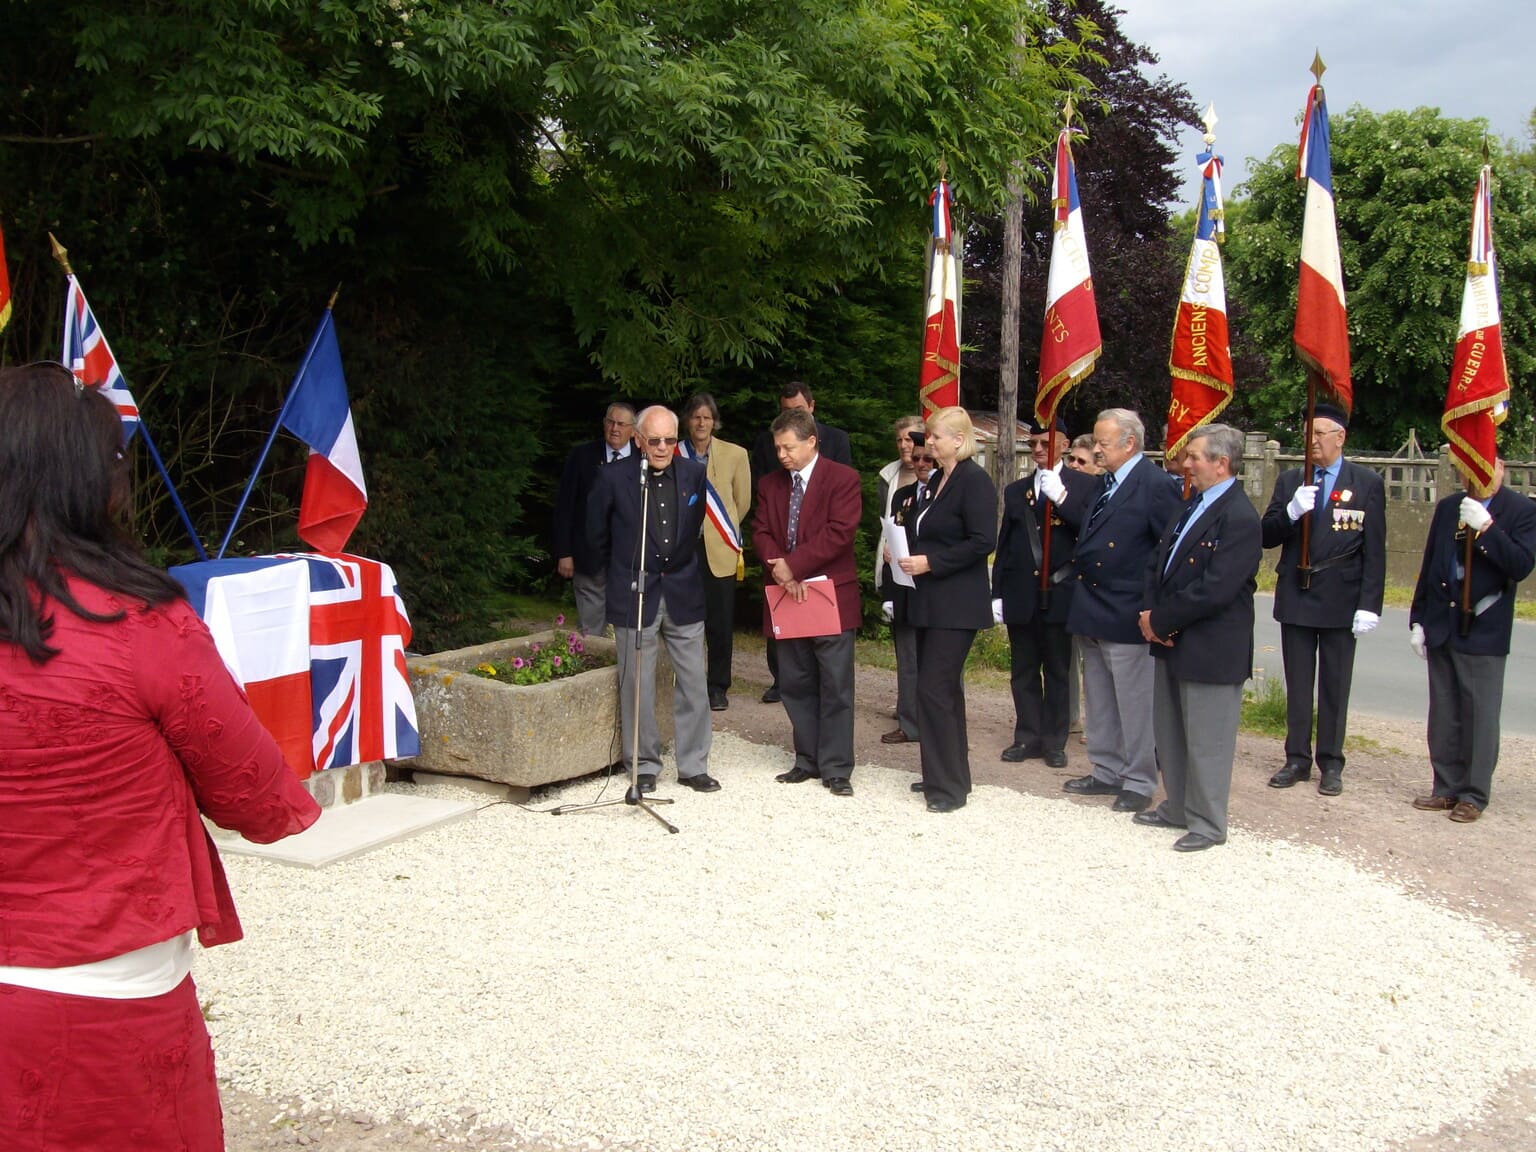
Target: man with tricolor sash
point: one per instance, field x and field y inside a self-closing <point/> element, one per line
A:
<point x="728" y="496"/>
<point x="1480" y="546"/>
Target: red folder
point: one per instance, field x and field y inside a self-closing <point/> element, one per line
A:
<point x="817" y="615"/>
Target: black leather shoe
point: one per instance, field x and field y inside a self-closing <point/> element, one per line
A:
<point x="939" y="805"/>
<point x="647" y="782"/>
<point x="771" y="694"/>
<point x="1088" y="786"/>
<point x="703" y="782"/>
<point x="797" y="776"/>
<point x="1016" y="752"/>
<point x="918" y="786"/>
<point x="1129" y="801"/>
<point x="1290" y="774"/>
<point x="896" y="736"/>
<point x="1154" y="819"/>
<point x="717" y="700"/>
<point x="1331" y="783"/>
<point x="1194" y="842"/>
<point x="838" y="786"/>
<point x="1057" y="759"/>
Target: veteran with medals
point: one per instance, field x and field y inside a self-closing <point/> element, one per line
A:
<point x="1323" y="609"/>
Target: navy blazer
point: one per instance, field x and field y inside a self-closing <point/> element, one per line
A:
<point x="1111" y="556"/>
<point x="957" y="531"/>
<point x="1349" y="562"/>
<point x="1203" y="600"/>
<point x="613" y="523"/>
<point x="1021" y="547"/>
<point x="1502" y="556"/>
<point x="577" y="478"/>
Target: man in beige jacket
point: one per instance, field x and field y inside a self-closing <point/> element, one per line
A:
<point x="729" y="497"/>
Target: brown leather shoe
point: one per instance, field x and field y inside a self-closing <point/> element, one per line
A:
<point x="896" y="736"/>
<point x="1434" y="803"/>
<point x="1465" y="812"/>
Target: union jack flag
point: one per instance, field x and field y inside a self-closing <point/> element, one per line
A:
<point x="361" y="691"/>
<point x="89" y="357"/>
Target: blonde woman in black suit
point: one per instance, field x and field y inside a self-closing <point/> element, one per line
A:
<point x="950" y="539"/>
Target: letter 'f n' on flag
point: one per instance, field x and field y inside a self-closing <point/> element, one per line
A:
<point x="318" y="413"/>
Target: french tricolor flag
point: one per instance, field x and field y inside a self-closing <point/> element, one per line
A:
<point x="1322" y="330"/>
<point x="1070" y="343"/>
<point x="318" y="413"/>
<point x="1199" y="359"/>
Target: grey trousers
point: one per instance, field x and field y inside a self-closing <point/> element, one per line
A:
<point x="1117" y="687"/>
<point x="591" y="601"/>
<point x="816" y="680"/>
<point x="1466" y="695"/>
<point x="905" y="637"/>
<point x="690" y="694"/>
<point x="1196" y="727"/>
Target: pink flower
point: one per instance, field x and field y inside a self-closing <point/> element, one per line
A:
<point x="559" y="620"/>
<point x="517" y="662"/>
<point x="557" y="661"/>
<point x="535" y="647"/>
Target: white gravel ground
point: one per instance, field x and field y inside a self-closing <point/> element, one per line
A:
<point x="798" y="971"/>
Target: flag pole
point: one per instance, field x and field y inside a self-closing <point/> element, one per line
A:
<point x="61" y="254"/>
<point x="1050" y="441"/>
<point x="266" y="448"/>
<point x="1304" y="561"/>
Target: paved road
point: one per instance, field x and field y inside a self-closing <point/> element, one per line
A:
<point x="1390" y="680"/>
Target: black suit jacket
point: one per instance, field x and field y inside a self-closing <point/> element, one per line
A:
<point x="577" y="478"/>
<point x="1021" y="547"/>
<point x="1203" y="601"/>
<point x="1349" y="564"/>
<point x="613" y="523"/>
<point x="1502" y="556"/>
<point x="1111" y="555"/>
<point x="830" y="442"/>
<point x="957" y="531"/>
<point x="904" y="506"/>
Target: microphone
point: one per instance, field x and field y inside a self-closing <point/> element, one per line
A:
<point x="645" y="466"/>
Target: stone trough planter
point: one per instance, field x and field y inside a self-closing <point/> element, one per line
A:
<point x="523" y="736"/>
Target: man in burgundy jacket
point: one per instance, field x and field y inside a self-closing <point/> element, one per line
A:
<point x="804" y="524"/>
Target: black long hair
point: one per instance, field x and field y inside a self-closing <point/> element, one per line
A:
<point x="63" y="491"/>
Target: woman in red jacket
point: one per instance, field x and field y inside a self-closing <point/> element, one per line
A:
<point x="119" y="728"/>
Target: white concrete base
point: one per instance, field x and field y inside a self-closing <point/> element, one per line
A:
<point x="351" y="829"/>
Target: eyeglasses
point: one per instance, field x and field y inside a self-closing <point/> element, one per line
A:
<point x="922" y="459"/>
<point x="658" y="441"/>
<point x="607" y="423"/>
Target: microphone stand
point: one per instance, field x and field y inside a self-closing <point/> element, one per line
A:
<point x="632" y="796"/>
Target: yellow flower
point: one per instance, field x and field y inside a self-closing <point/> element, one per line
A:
<point x="486" y="669"/>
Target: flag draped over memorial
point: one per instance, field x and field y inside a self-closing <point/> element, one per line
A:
<point x="939" y="378"/>
<point x="1199" y="359"/>
<point x="89" y="357"/>
<point x="318" y="643"/>
<point x="1478" y="396"/>
<point x="317" y="412"/>
<point x="1322" y="331"/>
<point x="1070" y="343"/>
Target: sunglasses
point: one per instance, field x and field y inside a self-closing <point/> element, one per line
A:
<point x="658" y="441"/>
<point x="923" y="459"/>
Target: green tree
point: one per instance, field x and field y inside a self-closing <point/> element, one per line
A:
<point x="532" y="207"/>
<point x="1403" y="184"/>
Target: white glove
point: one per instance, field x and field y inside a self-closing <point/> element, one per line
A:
<point x="1052" y="488"/>
<point x="888" y="611"/>
<point x="1474" y="515"/>
<point x="1364" y="622"/>
<point x="1416" y="641"/>
<point x="997" y="611"/>
<point x="1302" y="501"/>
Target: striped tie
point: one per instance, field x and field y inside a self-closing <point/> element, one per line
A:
<point x="1103" y="501"/>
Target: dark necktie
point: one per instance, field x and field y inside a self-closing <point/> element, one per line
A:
<point x="1320" y="506"/>
<point x="613" y="454"/>
<point x="1103" y="501"/>
<point x="1178" y="531"/>
<point x="796" y="495"/>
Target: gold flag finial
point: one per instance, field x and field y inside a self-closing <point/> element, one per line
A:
<point x="331" y="303"/>
<point x="943" y="168"/>
<point x="61" y="254"/>
<point x="1487" y="154"/>
<point x="1318" y="67"/>
<point x="1066" y="112"/>
<point x="1209" y="119"/>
